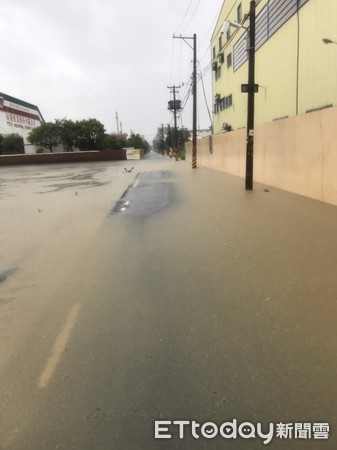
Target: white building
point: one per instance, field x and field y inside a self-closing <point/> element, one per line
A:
<point x="19" y="117"/>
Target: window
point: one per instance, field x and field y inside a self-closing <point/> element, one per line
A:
<point x="218" y="73"/>
<point x="229" y="101"/>
<point x="239" y="13"/>
<point x="269" y="20"/>
<point x="228" y="34"/>
<point x="214" y="53"/>
<point x="229" y="60"/>
<point x="220" y="42"/>
<point x="224" y="103"/>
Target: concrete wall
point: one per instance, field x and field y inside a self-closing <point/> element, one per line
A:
<point x="298" y="154"/>
<point x="134" y="153"/>
<point x="66" y="157"/>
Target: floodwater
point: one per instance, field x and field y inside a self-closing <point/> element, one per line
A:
<point x="49" y="215"/>
<point x="163" y="293"/>
<point x="37" y="202"/>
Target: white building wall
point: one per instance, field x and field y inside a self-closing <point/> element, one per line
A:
<point x="18" y="117"/>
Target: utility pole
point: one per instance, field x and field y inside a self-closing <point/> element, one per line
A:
<point x="169" y="135"/>
<point x="117" y="122"/>
<point x="173" y="106"/>
<point x="162" y="137"/>
<point x="194" y="91"/>
<point x="251" y="99"/>
<point x="194" y="136"/>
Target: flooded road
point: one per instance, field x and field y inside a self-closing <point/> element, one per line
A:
<point x="158" y="295"/>
<point x="50" y="214"/>
<point x="36" y="201"/>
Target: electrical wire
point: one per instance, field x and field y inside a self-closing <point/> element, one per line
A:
<point x="193" y="14"/>
<point x="213" y="23"/>
<point x="188" y="8"/>
<point x="205" y="97"/>
<point x="207" y="68"/>
<point x="171" y="65"/>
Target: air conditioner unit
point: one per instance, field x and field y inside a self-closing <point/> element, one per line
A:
<point x="226" y="127"/>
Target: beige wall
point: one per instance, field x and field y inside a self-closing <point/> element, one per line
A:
<point x="298" y="154"/>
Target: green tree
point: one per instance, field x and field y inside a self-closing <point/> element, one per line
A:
<point x="90" y="135"/>
<point x="11" y="144"/>
<point x="69" y="132"/>
<point x="114" y="141"/>
<point x="183" y="135"/>
<point x="135" y="140"/>
<point x="47" y="135"/>
<point x="160" y="144"/>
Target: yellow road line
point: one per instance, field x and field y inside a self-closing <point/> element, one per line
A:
<point x="59" y="346"/>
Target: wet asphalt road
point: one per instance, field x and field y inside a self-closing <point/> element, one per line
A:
<point x="187" y="298"/>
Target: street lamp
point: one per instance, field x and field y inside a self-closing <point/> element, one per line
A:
<point x="228" y="23"/>
<point x="250" y="88"/>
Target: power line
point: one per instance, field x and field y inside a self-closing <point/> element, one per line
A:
<point x="229" y="12"/>
<point x="208" y="31"/>
<point x="171" y="65"/>
<point x="188" y="8"/>
<point x="207" y="68"/>
<point x="193" y="14"/>
<point x="203" y="88"/>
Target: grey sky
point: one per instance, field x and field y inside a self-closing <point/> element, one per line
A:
<point x="90" y="58"/>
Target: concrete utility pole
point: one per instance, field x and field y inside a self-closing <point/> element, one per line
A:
<point x="175" y="106"/>
<point x="251" y="99"/>
<point x="194" y="91"/>
<point x="194" y="136"/>
<point x="250" y="88"/>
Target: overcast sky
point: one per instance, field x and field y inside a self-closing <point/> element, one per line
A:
<point x="84" y="59"/>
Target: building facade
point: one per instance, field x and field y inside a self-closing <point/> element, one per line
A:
<point x="19" y="117"/>
<point x="295" y="61"/>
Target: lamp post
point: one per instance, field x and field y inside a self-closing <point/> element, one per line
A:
<point x="250" y="88"/>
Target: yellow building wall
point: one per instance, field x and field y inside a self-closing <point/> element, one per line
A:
<point x="318" y="61"/>
<point x="230" y="81"/>
<point x="295" y="70"/>
<point x="275" y="73"/>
